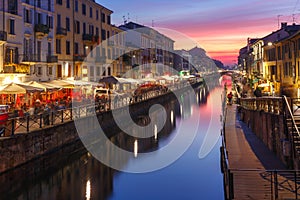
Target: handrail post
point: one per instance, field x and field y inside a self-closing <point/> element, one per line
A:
<point x="230" y="181"/>
<point x="62" y="116"/>
<point x="52" y="118"/>
<point x="41" y="117"/>
<point x="276" y="184"/>
<point x="296" y="186"/>
<point x="13" y="126"/>
<point x="27" y="123"/>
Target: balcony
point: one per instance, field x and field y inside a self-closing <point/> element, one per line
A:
<point x="100" y="59"/>
<point x="110" y="43"/>
<point x="3" y="37"/>
<point x="52" y="59"/>
<point x="41" y="30"/>
<point x="61" y="32"/>
<point x="31" y="59"/>
<point x="15" y="68"/>
<point x="88" y="39"/>
<point x="96" y="39"/>
<point x="79" y="58"/>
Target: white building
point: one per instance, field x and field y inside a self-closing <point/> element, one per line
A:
<point x="26" y="41"/>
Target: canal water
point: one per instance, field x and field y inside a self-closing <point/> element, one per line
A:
<point x="73" y="173"/>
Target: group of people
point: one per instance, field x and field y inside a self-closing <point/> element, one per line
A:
<point x="39" y="107"/>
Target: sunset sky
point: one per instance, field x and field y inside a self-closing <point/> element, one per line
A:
<point x="221" y="27"/>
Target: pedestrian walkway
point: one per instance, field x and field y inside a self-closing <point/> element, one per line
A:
<point x="252" y="164"/>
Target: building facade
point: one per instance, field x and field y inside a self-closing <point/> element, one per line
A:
<point x="81" y="26"/>
<point x="149" y="49"/>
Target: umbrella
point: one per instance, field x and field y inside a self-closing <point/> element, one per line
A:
<point x="41" y="85"/>
<point x="109" y="79"/>
<point x="62" y="83"/>
<point x="16" y="88"/>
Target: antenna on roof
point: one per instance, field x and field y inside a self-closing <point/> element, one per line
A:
<point x="124" y="19"/>
<point x="128" y="18"/>
<point x="293" y="16"/>
<point x="278" y="16"/>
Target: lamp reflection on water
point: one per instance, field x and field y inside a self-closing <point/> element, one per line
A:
<point x="88" y="190"/>
<point x="155" y="132"/>
<point x="135" y="148"/>
<point x="172" y="117"/>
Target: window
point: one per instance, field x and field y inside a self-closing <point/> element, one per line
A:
<point x="288" y="69"/>
<point x="58" y="21"/>
<point x="91" y="29"/>
<point x="103" y="52"/>
<point x="50" y="71"/>
<point x="76" y="48"/>
<point x="50" y="21"/>
<point x="68" y="47"/>
<point x="83" y="9"/>
<point x="103" y="17"/>
<point x="97" y="71"/>
<point x="39" y="18"/>
<point x="39" y="3"/>
<point x="92" y="70"/>
<point x="39" y="72"/>
<point x="27" y="16"/>
<point x="68" y="23"/>
<point x="108" y="53"/>
<point x="12" y="26"/>
<point x="68" y="4"/>
<point x="97" y="15"/>
<point x="76" y="6"/>
<point x="39" y="50"/>
<point x="97" y="31"/>
<point x="58" y="46"/>
<point x="49" y="5"/>
<point x="84" y="50"/>
<point x="91" y="51"/>
<point x="103" y="34"/>
<point x="83" y="28"/>
<point x="108" y="35"/>
<point x="49" y="49"/>
<point x="77" y="27"/>
<point x="97" y="52"/>
<point x="298" y="68"/>
<point x="108" y="19"/>
<point x="279" y="53"/>
<point x="91" y="12"/>
<point x="13" y="7"/>
<point x="59" y="2"/>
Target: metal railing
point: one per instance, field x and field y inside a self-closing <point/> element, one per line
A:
<point x="267" y="104"/>
<point x="28" y="123"/>
<point x="256" y="183"/>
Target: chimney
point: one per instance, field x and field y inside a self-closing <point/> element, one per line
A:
<point x="283" y="25"/>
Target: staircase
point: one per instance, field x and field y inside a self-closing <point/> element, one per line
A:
<point x="291" y="111"/>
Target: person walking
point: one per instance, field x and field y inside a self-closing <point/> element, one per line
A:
<point x="229" y="97"/>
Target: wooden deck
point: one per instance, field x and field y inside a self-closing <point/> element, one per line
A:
<point x="253" y="166"/>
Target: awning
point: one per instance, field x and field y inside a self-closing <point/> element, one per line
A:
<point x="15" y="88"/>
<point x="62" y="83"/>
<point x="41" y="85"/>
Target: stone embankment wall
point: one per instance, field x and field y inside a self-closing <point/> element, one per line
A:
<point x="22" y="148"/>
<point x="270" y="128"/>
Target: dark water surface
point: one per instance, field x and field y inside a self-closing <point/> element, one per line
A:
<point x="77" y="175"/>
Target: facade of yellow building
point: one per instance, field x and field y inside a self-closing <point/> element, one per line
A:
<point x="81" y="26"/>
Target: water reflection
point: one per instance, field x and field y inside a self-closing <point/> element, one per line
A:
<point x="78" y="175"/>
